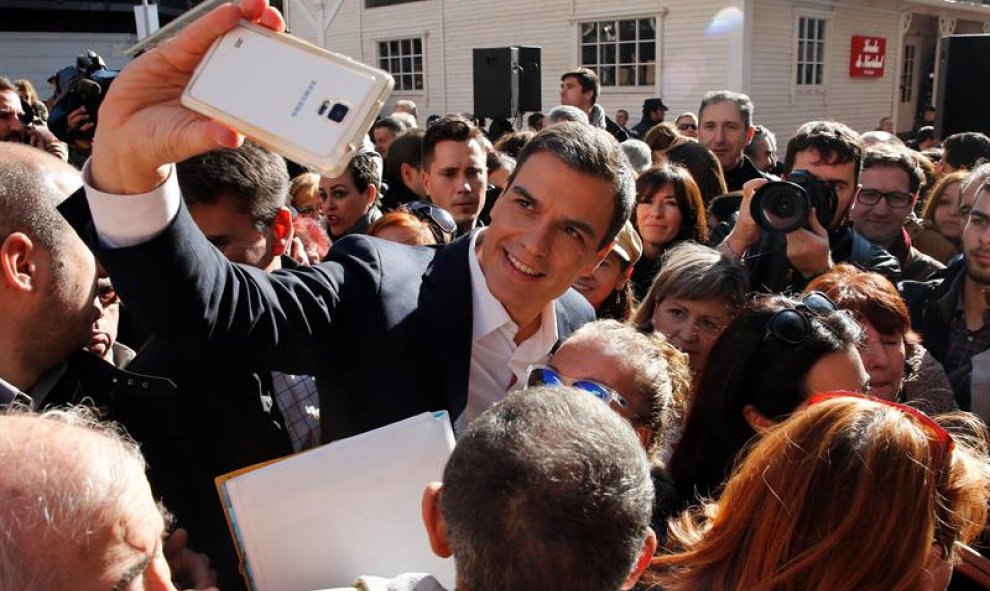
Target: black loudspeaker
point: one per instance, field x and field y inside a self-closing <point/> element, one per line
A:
<point x="506" y="81"/>
<point x="963" y="85"/>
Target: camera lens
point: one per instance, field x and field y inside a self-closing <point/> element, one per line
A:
<point x="338" y="112"/>
<point x="780" y="207"/>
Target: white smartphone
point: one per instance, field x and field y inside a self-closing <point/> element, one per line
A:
<point x="308" y="104"/>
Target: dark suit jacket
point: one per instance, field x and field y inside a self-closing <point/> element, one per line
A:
<point x="385" y="328"/>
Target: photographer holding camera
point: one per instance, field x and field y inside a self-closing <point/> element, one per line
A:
<point x="791" y="231"/>
<point x="19" y="124"/>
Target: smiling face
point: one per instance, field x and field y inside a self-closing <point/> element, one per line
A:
<point x="546" y="231"/>
<point x="692" y="326"/>
<point x="881" y="222"/>
<point x="609" y="277"/>
<point x="658" y="218"/>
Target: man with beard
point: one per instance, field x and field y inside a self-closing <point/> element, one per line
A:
<point x="951" y="313"/>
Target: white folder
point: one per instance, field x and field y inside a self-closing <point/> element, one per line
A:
<point x="322" y="518"/>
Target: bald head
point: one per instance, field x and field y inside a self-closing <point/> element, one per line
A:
<point x="75" y="507"/>
<point x="32" y="184"/>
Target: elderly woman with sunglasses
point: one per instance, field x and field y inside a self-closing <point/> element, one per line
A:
<point x="849" y="494"/>
<point x="639" y="375"/>
<point x="775" y="354"/>
<point x="900" y="368"/>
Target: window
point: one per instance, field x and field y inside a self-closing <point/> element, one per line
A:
<point x="403" y="58"/>
<point x="621" y="52"/>
<point x="907" y="74"/>
<point x="810" y="57"/>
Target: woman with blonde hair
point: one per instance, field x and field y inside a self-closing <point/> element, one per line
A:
<point x="850" y="494"/>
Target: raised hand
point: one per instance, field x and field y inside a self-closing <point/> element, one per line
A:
<point x="143" y="128"/>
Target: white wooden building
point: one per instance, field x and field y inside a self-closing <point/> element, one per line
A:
<point x="791" y="56"/>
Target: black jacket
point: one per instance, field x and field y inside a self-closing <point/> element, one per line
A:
<point x="771" y="271"/>
<point x="746" y="171"/>
<point x="932" y="304"/>
<point x="372" y="301"/>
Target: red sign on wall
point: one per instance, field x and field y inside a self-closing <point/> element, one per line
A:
<point x="867" y="57"/>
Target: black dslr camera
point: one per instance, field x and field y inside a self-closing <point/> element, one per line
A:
<point x="784" y="206"/>
<point x="82" y="85"/>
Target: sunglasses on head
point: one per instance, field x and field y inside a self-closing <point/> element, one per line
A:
<point x="438" y="218"/>
<point x="940" y="440"/>
<point x="542" y="375"/>
<point x="793" y="325"/>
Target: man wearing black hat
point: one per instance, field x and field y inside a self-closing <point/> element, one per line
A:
<point x="653" y="113"/>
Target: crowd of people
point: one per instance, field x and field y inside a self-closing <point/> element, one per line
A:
<point x="786" y="357"/>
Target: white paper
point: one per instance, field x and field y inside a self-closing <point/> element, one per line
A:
<point x="353" y="507"/>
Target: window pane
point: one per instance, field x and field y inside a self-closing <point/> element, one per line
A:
<point x="627" y="30"/>
<point x="589" y="54"/>
<point x="383" y="63"/>
<point x="801" y="52"/>
<point x="589" y="33"/>
<point x="383" y="49"/>
<point x="606" y="31"/>
<point x="608" y="54"/>
<point x="627" y="53"/>
<point x="627" y="76"/>
<point x="406" y="45"/>
<point x="648" y="28"/>
<point x="647" y="51"/>
<point x="645" y="75"/>
<point x="607" y="75"/>
<point x="418" y="81"/>
<point x="820" y="52"/>
<point x="394" y="65"/>
<point x="418" y="64"/>
<point x="819" y="74"/>
<point x="821" y="28"/>
<point x="417" y="45"/>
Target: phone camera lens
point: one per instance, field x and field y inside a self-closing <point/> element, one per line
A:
<point x="338" y="112"/>
<point x="323" y="108"/>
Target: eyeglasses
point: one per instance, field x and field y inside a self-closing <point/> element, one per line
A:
<point x="793" y="325"/>
<point x="687" y="126"/>
<point x="439" y="219"/>
<point x="542" y="375"/>
<point x="941" y="441"/>
<point x="895" y="199"/>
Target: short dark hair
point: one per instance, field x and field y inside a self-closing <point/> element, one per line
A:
<point x="566" y="492"/>
<point x="835" y="142"/>
<point x="407" y="148"/>
<point x="453" y="128"/>
<point x="741" y="100"/>
<point x="887" y="156"/>
<point x="364" y="171"/>
<point x="704" y="167"/>
<point x="925" y="133"/>
<point x="255" y="178"/>
<point x="591" y="151"/>
<point x="513" y="143"/>
<point x="965" y="150"/>
<point x="588" y="79"/>
<point x="390" y="123"/>
<point x="535" y="119"/>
